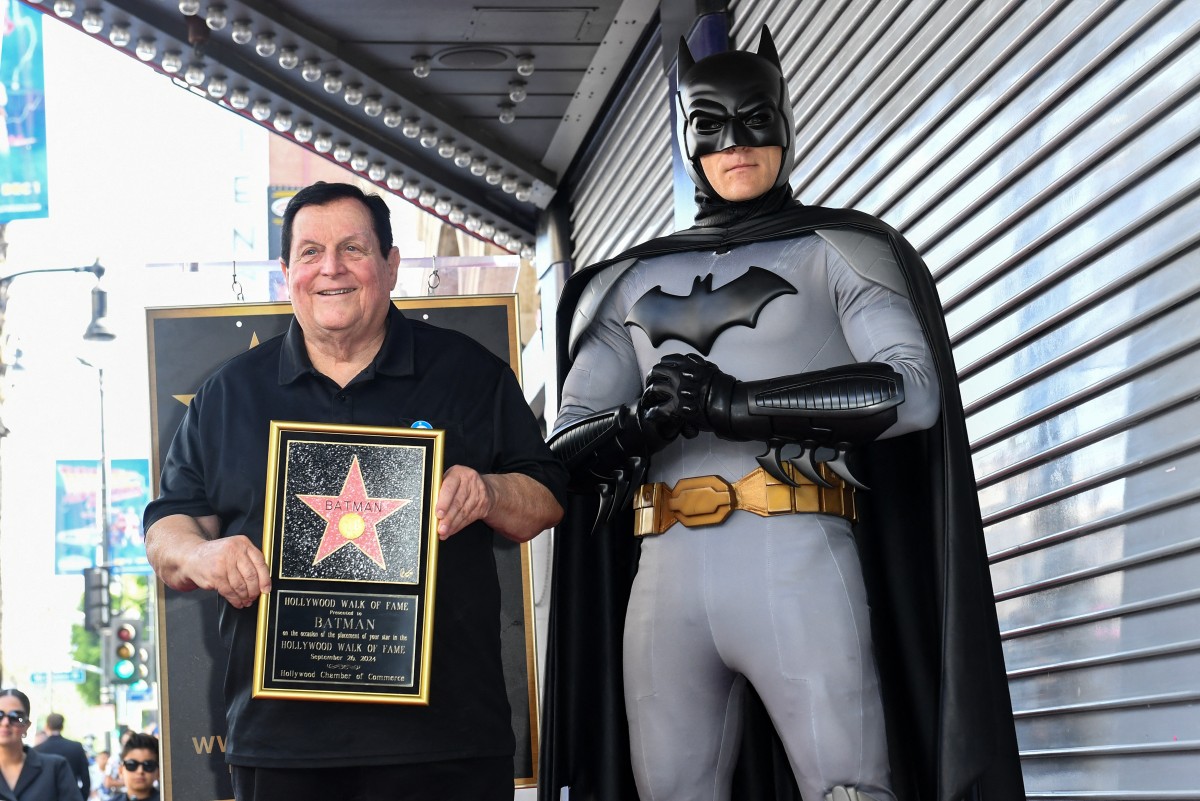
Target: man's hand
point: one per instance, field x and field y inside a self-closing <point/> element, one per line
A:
<point x="188" y="553"/>
<point x="233" y="567"/>
<point x="513" y="504"/>
<point x="463" y="498"/>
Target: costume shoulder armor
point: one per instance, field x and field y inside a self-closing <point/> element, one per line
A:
<point x="869" y="254"/>
<point x="597" y="289"/>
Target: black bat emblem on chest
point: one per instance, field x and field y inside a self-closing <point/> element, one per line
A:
<point x="700" y="316"/>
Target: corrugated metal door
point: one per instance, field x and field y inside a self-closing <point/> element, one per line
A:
<point x="1043" y="157"/>
<point x="625" y="194"/>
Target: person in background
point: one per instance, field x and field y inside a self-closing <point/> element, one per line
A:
<point x="113" y="782"/>
<point x="99" y="769"/>
<point x="139" y="768"/>
<point x="26" y="774"/>
<point x="70" y="750"/>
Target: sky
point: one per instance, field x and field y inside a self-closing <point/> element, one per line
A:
<point x="140" y="172"/>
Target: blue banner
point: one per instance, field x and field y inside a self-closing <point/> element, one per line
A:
<point x="23" y="190"/>
<point x="77" y="494"/>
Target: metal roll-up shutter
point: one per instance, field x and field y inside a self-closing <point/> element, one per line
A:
<point x="1045" y="158"/>
<point x="624" y="193"/>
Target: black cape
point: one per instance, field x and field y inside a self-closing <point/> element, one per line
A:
<point x="949" y="716"/>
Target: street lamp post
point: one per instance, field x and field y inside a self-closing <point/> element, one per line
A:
<point x="96" y="269"/>
<point x="97" y="331"/>
<point x="97" y="603"/>
<point x="97" y="606"/>
<point x="105" y="541"/>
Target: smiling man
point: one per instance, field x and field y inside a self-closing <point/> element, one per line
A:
<point x="740" y="384"/>
<point x="350" y="357"/>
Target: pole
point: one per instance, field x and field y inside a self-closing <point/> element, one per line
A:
<point x="105" y="542"/>
<point x="96" y="331"/>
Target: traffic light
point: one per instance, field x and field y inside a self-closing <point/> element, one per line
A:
<point x="125" y="645"/>
<point x="97" y="603"/>
<point x="129" y="657"/>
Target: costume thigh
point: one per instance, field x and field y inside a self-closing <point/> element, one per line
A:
<point x="682" y="701"/>
<point x="780" y="600"/>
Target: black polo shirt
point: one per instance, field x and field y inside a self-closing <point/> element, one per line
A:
<point x="217" y="465"/>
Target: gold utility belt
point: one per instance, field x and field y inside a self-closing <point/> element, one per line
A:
<point x="707" y="500"/>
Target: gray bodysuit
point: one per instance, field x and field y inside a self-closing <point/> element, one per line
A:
<point x="778" y="601"/>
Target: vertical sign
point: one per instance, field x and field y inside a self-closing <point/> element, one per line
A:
<point x="77" y="504"/>
<point x="278" y="198"/>
<point x="23" y="190"/>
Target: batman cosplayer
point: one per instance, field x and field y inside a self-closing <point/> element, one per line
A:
<point x="803" y="607"/>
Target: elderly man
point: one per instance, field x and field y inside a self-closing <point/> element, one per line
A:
<point x="741" y="384"/>
<point x="350" y="357"/>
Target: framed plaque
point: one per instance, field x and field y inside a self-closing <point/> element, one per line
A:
<point x="350" y="537"/>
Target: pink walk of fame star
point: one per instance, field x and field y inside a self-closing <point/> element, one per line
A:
<point x="351" y="517"/>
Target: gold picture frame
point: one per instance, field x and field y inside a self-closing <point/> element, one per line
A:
<point x="351" y="543"/>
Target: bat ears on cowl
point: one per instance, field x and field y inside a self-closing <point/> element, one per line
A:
<point x="766" y="49"/>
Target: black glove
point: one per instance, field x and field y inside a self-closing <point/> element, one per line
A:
<point x="851" y="404"/>
<point x="836" y="408"/>
<point x="678" y="391"/>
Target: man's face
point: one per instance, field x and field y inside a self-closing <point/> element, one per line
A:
<point x="742" y="173"/>
<point x="338" y="280"/>
<point x="139" y="781"/>
<point x="733" y="103"/>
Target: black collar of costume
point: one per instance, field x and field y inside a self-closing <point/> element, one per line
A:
<point x="792" y="219"/>
<point x="718" y="212"/>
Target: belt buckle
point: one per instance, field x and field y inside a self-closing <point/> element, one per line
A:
<point x="701" y="500"/>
